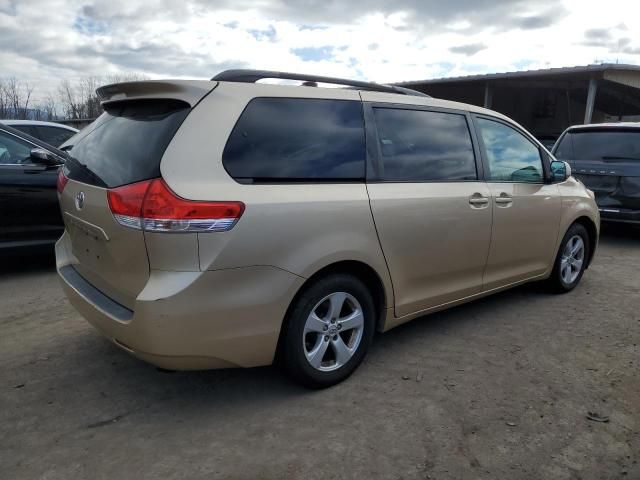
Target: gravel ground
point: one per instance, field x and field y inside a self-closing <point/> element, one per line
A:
<point x="496" y="389"/>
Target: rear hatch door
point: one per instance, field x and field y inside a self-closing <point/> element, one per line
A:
<point x="124" y="145"/>
<point x="607" y="161"/>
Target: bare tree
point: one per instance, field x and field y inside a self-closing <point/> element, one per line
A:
<point x="68" y="100"/>
<point x="14" y="98"/>
<point x="78" y="100"/>
<point x="49" y="107"/>
<point x="72" y="100"/>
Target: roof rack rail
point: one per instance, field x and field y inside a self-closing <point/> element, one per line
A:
<point x="252" y="76"/>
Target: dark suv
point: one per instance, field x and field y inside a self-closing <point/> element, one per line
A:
<point x="606" y="158"/>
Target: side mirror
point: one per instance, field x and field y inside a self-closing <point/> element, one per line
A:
<point x="41" y="156"/>
<point x="560" y="170"/>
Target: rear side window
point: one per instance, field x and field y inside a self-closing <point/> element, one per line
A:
<point x="600" y="145"/>
<point x="420" y="146"/>
<point x="126" y="143"/>
<point x="296" y="139"/>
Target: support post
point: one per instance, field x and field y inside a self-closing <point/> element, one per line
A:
<point x="591" y="100"/>
<point x="488" y="95"/>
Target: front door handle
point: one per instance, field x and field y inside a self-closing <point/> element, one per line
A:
<point x="478" y="200"/>
<point x="504" y="199"/>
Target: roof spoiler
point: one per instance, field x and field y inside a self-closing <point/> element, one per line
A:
<point x="188" y="91"/>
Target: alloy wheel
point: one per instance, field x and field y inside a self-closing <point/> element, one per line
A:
<point x="572" y="259"/>
<point x="333" y="331"/>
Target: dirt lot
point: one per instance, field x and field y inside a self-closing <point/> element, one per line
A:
<point x="496" y="389"/>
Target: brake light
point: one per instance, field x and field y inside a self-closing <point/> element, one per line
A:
<point x="153" y="206"/>
<point x="62" y="181"/>
<point x="126" y="203"/>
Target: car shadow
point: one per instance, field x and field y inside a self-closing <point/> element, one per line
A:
<point x="123" y="376"/>
<point x="620" y="234"/>
<point x="27" y="261"/>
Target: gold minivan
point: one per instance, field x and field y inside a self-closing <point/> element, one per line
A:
<point x="229" y="223"/>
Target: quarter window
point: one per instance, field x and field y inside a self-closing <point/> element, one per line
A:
<point x="511" y="156"/>
<point x="419" y="146"/>
<point x="296" y="139"/>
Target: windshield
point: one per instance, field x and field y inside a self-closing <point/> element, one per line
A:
<point x="604" y="145"/>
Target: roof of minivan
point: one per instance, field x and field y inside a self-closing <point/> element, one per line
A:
<point x="194" y="90"/>
<point x="368" y="96"/>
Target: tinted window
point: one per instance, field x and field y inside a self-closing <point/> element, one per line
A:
<point x="126" y="143"/>
<point x="511" y="156"/>
<point x="13" y="150"/>
<point x="28" y="129"/>
<point x="54" y="135"/>
<point x="564" y="149"/>
<point x="421" y="146"/>
<point x="297" y="139"/>
<point x="600" y="145"/>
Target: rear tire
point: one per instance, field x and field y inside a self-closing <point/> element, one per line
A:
<point x="571" y="260"/>
<point x="328" y="331"/>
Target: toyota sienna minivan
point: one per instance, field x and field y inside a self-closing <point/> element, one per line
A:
<point x="230" y="223"/>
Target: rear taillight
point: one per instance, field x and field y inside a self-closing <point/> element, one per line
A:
<point x="126" y="203"/>
<point x="62" y="181"/>
<point x="152" y="206"/>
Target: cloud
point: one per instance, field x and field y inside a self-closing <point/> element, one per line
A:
<point x="597" y="37"/>
<point x="468" y="49"/>
<point x="44" y="41"/>
<point x="614" y="40"/>
<point x="534" y="22"/>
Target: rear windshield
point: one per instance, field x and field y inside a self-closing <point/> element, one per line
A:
<point x="600" y="145"/>
<point x="126" y="143"/>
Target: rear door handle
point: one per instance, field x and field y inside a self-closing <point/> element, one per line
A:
<point x="477" y="200"/>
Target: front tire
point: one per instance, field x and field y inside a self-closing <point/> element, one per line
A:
<point x="328" y="331"/>
<point x="571" y="260"/>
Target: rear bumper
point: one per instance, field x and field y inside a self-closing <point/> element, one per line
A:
<point x="192" y="320"/>
<point x="623" y="215"/>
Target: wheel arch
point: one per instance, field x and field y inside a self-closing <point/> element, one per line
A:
<point x="360" y="270"/>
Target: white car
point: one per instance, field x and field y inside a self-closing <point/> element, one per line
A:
<point x="54" y="134"/>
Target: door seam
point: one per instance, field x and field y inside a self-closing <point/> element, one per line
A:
<point x="486" y="261"/>
<point x="384" y="256"/>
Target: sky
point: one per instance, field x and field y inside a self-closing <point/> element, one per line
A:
<point x="44" y="41"/>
